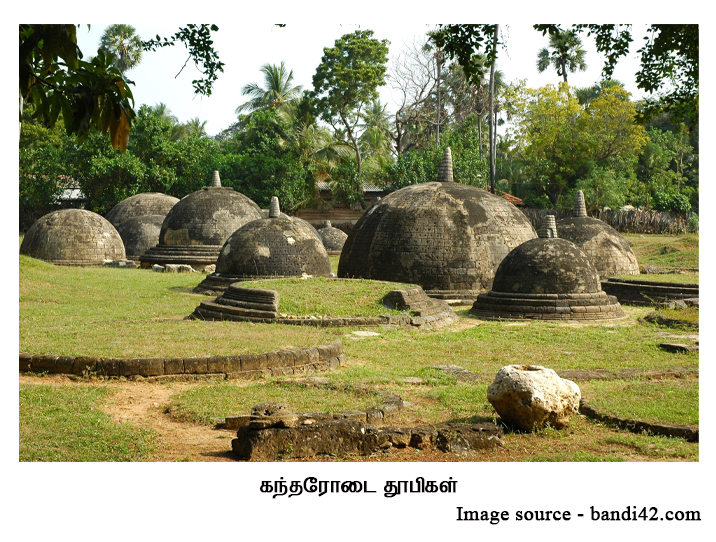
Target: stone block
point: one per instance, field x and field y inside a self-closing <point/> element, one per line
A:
<point x="458" y="438"/>
<point x="196" y="365"/>
<point x="151" y="367"/>
<point x="173" y="366"/>
<point x="25" y="361"/>
<point x="81" y="365"/>
<point x="253" y="362"/>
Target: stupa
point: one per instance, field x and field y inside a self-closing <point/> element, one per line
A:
<point x="73" y="237"/>
<point x="271" y="247"/>
<point x="196" y="227"/>
<point x="333" y="238"/>
<point x="608" y="250"/>
<point x="140" y="233"/>
<point x="447" y="237"/>
<point x="146" y="203"/>
<point x="547" y="278"/>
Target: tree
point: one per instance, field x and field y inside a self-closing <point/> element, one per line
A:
<point x="94" y="94"/>
<point x="565" y="54"/>
<point x="121" y="42"/>
<point x="347" y="80"/>
<point x="562" y="141"/>
<point x="276" y="93"/>
<point x="669" y="61"/>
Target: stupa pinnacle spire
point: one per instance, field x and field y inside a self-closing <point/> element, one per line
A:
<point x="215" y="180"/>
<point x="580" y="209"/>
<point x="549" y="228"/>
<point x="445" y="173"/>
<point x="274" y="208"/>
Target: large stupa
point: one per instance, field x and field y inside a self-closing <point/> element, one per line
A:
<point x="73" y="237"/>
<point x="196" y="227"/>
<point x="608" y="250"/>
<point x="447" y="237"/>
<point x="143" y="204"/>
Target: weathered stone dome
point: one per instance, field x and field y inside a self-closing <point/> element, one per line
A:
<point x="333" y="238"/>
<point x="140" y="233"/>
<point x="608" y="250"/>
<point x="268" y="248"/>
<point x="444" y="236"/>
<point x="197" y="226"/>
<point x="547" y="278"/>
<point x="273" y="247"/>
<point x="147" y="203"/>
<point x="73" y="237"/>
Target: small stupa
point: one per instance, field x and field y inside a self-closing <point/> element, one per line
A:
<point x="333" y="238"/>
<point x="140" y="233"/>
<point x="146" y="203"/>
<point x="608" y="250"/>
<point x="73" y="237"/>
<point x="271" y="247"/>
<point x="196" y="227"/>
<point x="445" y="236"/>
<point x="547" y="278"/>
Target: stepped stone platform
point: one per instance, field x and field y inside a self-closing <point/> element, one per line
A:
<point x="585" y="306"/>
<point x="242" y="304"/>
<point x="642" y="292"/>
<point x="198" y="256"/>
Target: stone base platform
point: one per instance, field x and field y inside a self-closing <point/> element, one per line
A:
<point x="343" y="438"/>
<point x="583" y="307"/>
<point x="240" y="304"/>
<point x="642" y="292"/>
<point x="455" y="297"/>
<point x="198" y="256"/>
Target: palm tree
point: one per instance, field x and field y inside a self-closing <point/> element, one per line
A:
<point x="120" y="41"/>
<point x="196" y="127"/>
<point x="566" y="54"/>
<point x="587" y="94"/>
<point x="277" y="90"/>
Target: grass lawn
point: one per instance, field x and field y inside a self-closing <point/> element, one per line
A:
<point x="64" y="423"/>
<point x="139" y="313"/>
<point x="665" y="250"/>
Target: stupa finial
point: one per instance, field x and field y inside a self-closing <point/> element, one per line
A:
<point x="274" y="208"/>
<point x="215" y="180"/>
<point x="580" y="209"/>
<point x="548" y="230"/>
<point x="327" y="224"/>
<point x="445" y="173"/>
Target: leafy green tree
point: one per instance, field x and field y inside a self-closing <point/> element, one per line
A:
<point x="346" y="81"/>
<point x="565" y="54"/>
<point x="278" y="90"/>
<point x="94" y="94"/>
<point x="561" y="141"/>
<point x="123" y="44"/>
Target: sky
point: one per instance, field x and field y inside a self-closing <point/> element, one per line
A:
<point x="245" y="48"/>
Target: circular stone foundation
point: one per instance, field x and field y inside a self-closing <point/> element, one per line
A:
<point x="73" y="237"/>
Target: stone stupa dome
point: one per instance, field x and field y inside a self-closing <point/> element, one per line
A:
<point x="197" y="226"/>
<point x="608" y="250"/>
<point x="269" y="248"/>
<point x="146" y="203"/>
<point x="73" y="237"/>
<point x="443" y="235"/>
<point x="547" y="278"/>
<point x="140" y="233"/>
<point x="333" y="238"/>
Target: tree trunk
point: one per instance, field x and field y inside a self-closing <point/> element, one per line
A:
<point x="437" y="113"/>
<point x="491" y="117"/>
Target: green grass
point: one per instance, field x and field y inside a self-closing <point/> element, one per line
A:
<point x="320" y="296"/>
<point x="63" y="423"/>
<point x="655" y="401"/>
<point x="673" y="278"/>
<point x="679" y="251"/>
<point x="204" y="404"/>
<point x="654" y="446"/>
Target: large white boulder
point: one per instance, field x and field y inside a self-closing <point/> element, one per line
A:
<point x="531" y="397"/>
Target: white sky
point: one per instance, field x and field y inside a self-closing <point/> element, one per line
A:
<point x="245" y="48"/>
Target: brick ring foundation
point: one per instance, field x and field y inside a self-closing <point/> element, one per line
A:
<point x="277" y="363"/>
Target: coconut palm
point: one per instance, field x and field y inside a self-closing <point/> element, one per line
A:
<point x="565" y="54"/>
<point x="277" y="90"/>
<point x="121" y="41"/>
